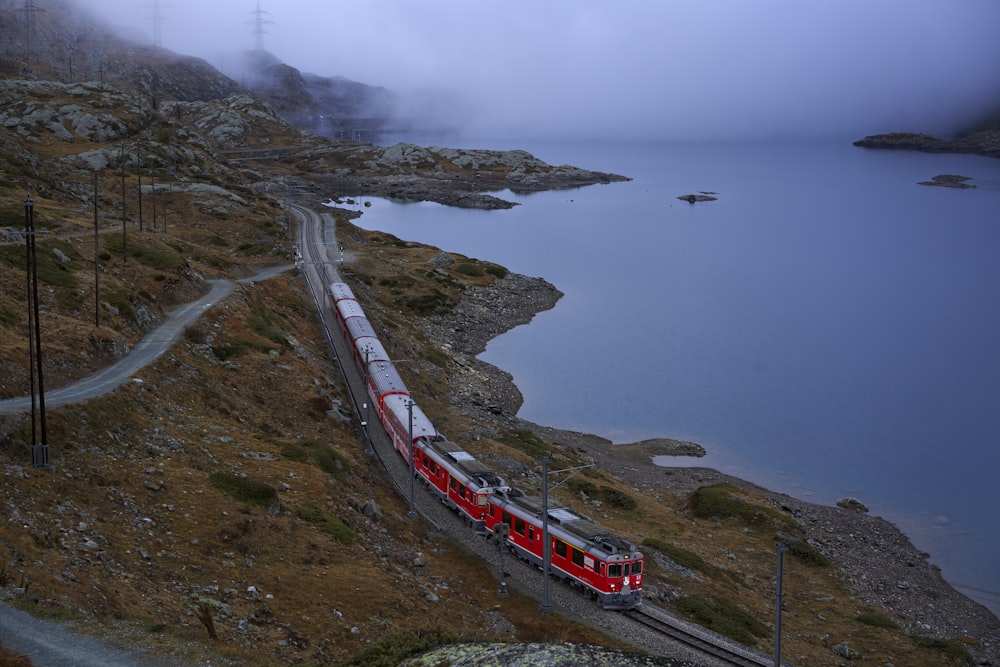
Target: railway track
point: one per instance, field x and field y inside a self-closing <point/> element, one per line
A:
<point x="696" y="638"/>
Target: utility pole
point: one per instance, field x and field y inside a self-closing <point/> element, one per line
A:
<point x="138" y="160"/>
<point x="152" y="194"/>
<point x="29" y="28"/>
<point x="39" y="452"/>
<point x="413" y="471"/>
<point x="782" y="547"/>
<point x="97" y="260"/>
<point x="500" y="532"/>
<point x="124" y="230"/>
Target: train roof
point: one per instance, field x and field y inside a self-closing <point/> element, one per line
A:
<point x="575" y="525"/>
<point x="349" y="308"/>
<point x="399" y="404"/>
<point x="458" y="460"/>
<point x="371" y="350"/>
<point x="386" y="379"/>
<point x="340" y="291"/>
<point x="360" y="327"/>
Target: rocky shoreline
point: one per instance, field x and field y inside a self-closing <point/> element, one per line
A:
<point x="878" y="562"/>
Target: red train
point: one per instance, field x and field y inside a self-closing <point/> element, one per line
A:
<point x="605" y="566"/>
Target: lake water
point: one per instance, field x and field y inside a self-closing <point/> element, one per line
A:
<point x="827" y="328"/>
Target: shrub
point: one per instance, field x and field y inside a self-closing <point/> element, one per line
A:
<point x="228" y="347"/>
<point x="724" y="617"/>
<point x="605" y="494"/>
<point x="119" y="297"/>
<point x="469" y="269"/>
<point x="807" y="555"/>
<point x="437" y="357"/>
<point x="952" y="649"/>
<point x="205" y="616"/>
<point x="318" y="454"/>
<point x="244" y="489"/>
<point x="875" y="620"/>
<point x="262" y="321"/>
<point x="724" y="501"/>
<point x="682" y="557"/>
<point x="327" y="522"/>
<point x="526" y="442"/>
<point x="497" y="270"/>
<point x="11" y="315"/>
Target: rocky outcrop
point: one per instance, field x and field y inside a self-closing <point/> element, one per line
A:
<point x="91" y="111"/>
<point x="240" y="121"/>
<point x="692" y="198"/>
<point x="454" y="177"/>
<point x="949" y="181"/>
<point x="985" y="143"/>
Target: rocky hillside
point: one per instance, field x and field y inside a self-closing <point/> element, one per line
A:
<point x="328" y="106"/>
<point x="68" y="45"/>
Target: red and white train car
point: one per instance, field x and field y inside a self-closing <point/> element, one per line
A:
<point x="458" y="479"/>
<point x="405" y="420"/>
<point x="606" y="566"/>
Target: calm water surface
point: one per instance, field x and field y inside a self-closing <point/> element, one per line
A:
<point x="826" y="328"/>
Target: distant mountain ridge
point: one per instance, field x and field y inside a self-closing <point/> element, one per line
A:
<point x="71" y="45"/>
<point x="328" y="106"/>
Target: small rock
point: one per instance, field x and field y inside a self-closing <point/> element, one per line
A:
<point x="852" y="504"/>
<point x="845" y="651"/>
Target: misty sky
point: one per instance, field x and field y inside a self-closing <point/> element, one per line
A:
<point x="695" y="69"/>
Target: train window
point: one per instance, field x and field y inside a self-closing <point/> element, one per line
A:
<point x="507" y="519"/>
<point x="531" y="533"/>
<point x="628" y="570"/>
<point x="492" y="507"/>
<point x="637" y="567"/>
<point x="577" y="557"/>
<point x="614" y="570"/>
<point x="560" y="548"/>
<point x="481" y="500"/>
<point x="454" y="484"/>
<point x="519" y="526"/>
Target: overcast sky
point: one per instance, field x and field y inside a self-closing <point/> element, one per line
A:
<point x="694" y="69"/>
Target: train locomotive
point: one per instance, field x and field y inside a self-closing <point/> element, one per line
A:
<point x="606" y="567"/>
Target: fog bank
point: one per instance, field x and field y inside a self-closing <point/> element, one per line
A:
<point x="588" y="68"/>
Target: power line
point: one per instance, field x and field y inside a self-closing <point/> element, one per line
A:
<point x="157" y="24"/>
<point x="259" y="22"/>
<point x="29" y="27"/>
